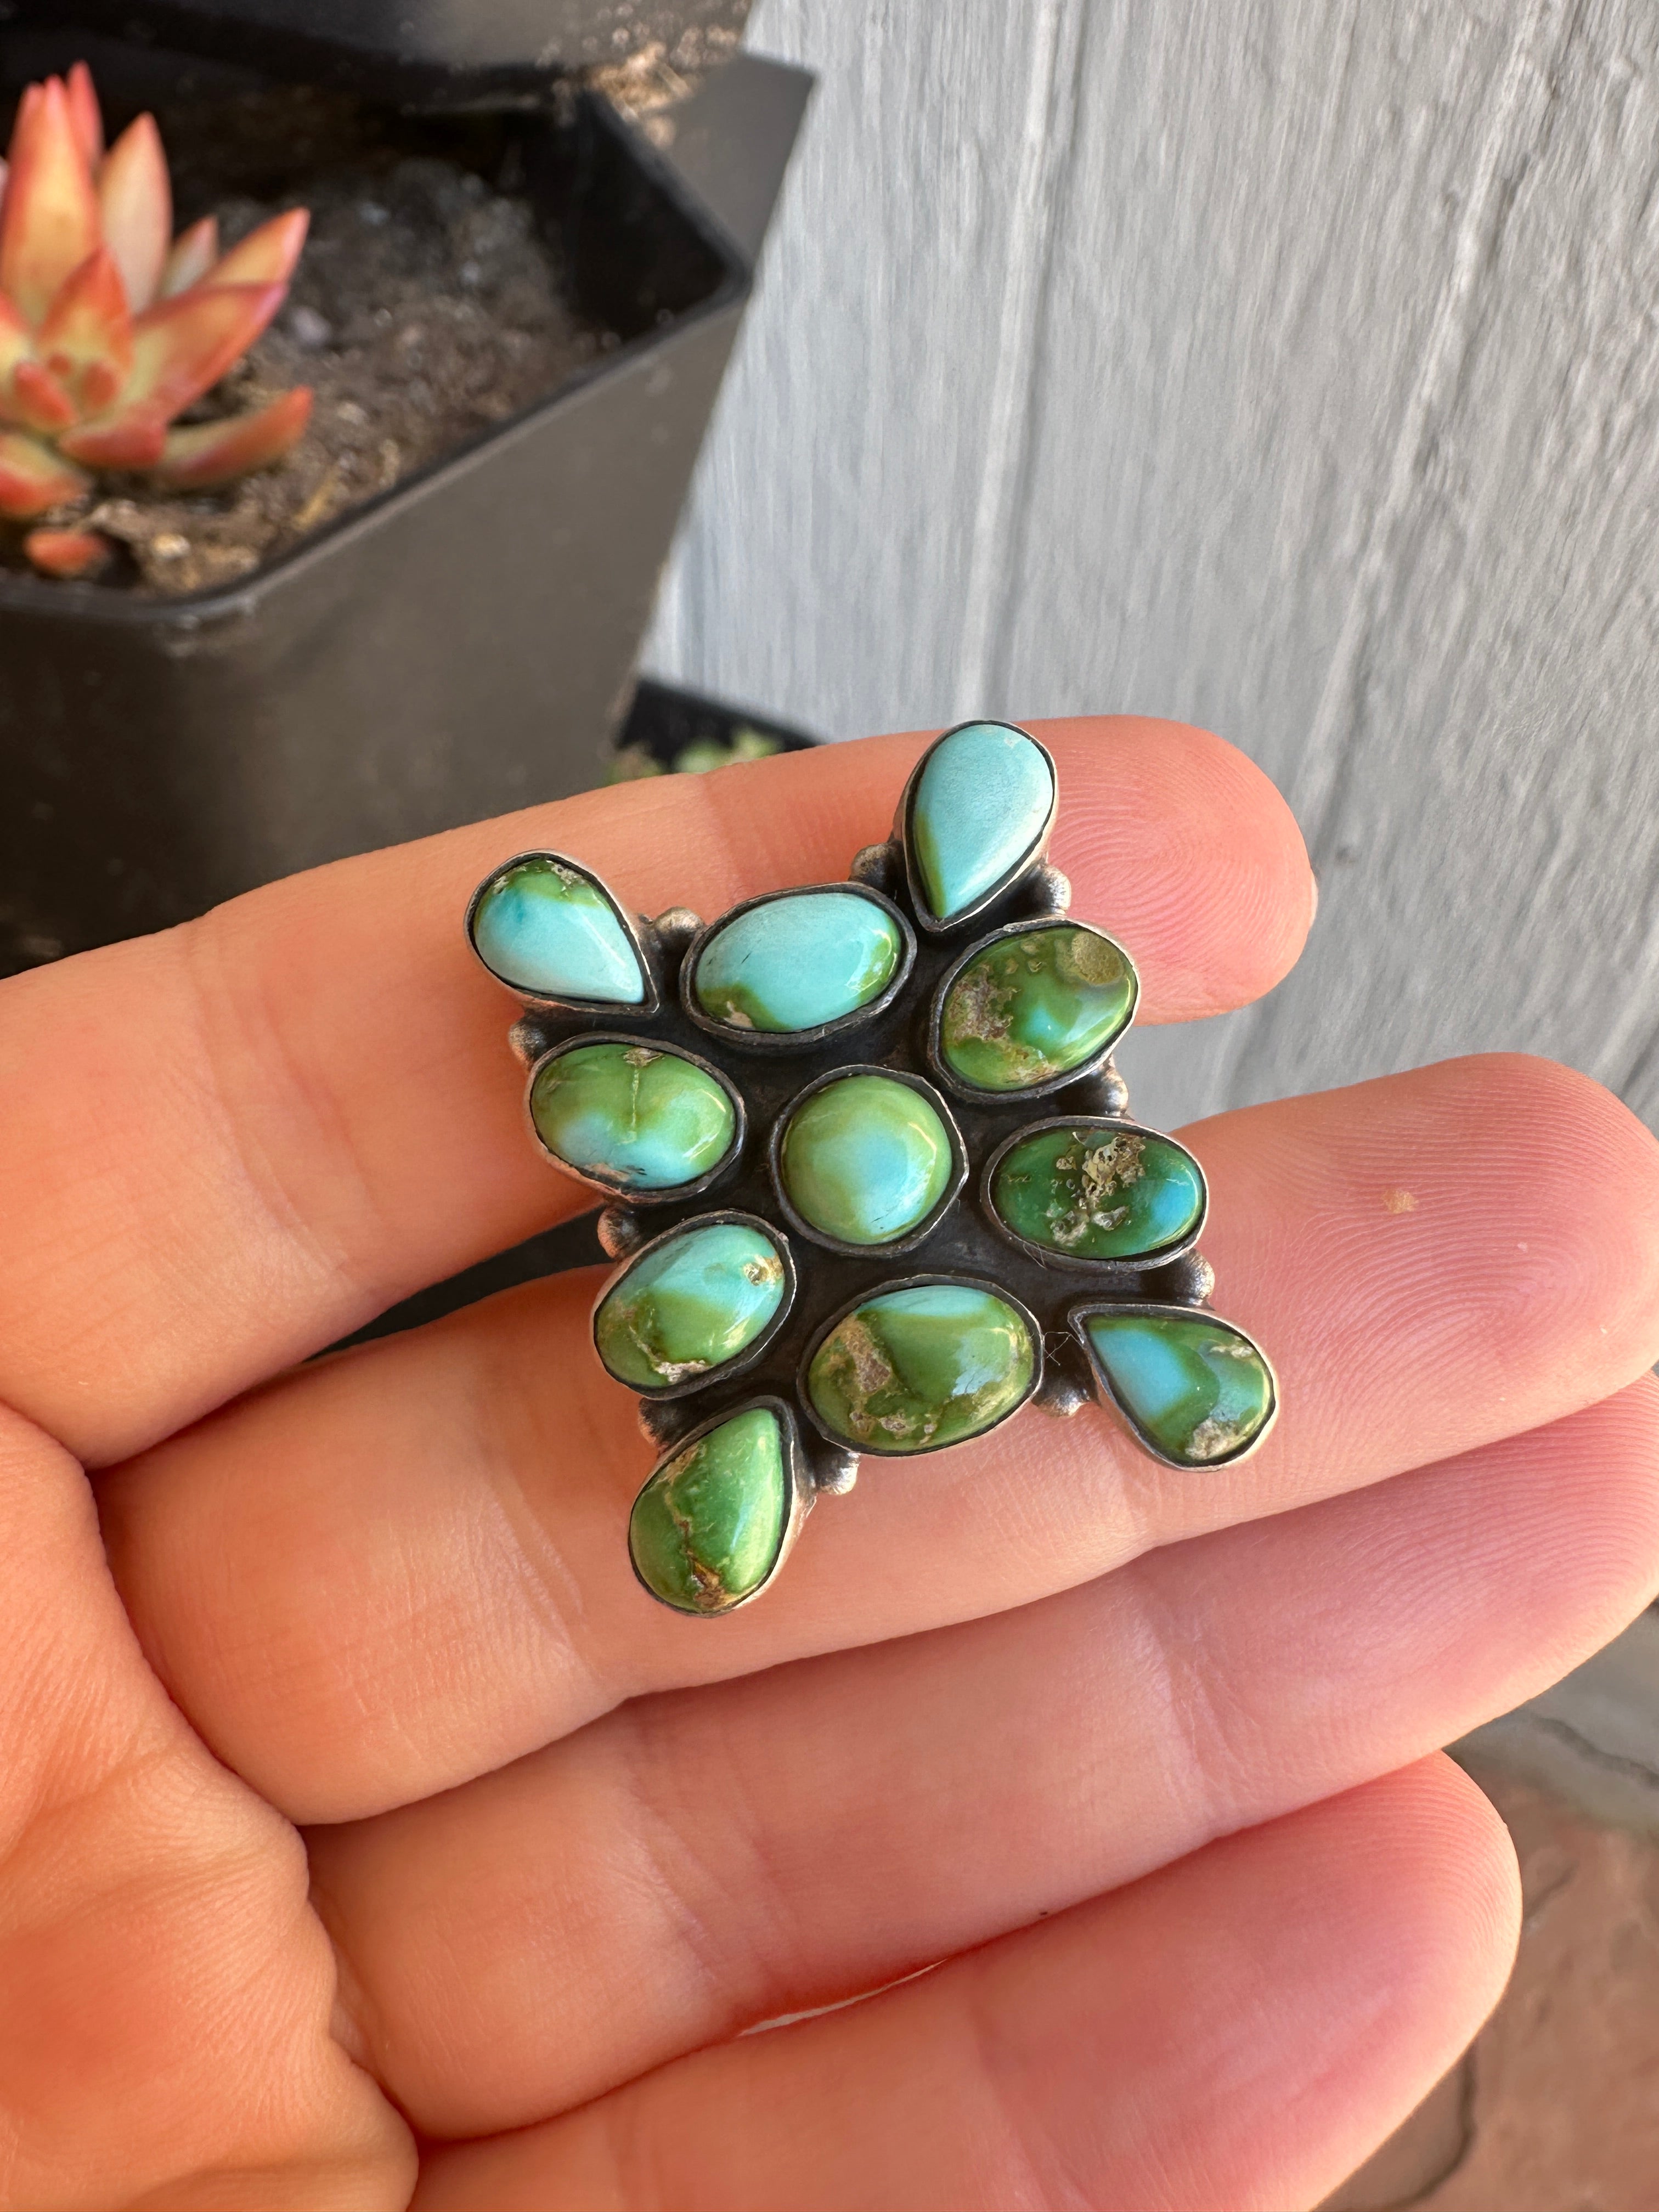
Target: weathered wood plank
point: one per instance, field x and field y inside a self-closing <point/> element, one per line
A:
<point x="1286" y="366"/>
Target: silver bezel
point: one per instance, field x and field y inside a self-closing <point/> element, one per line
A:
<point x="1034" y="856"/>
<point x="801" y="1495"/>
<point x="1046" y="1089"/>
<point x="775" y="1040"/>
<point x="615" y="1010"/>
<point x="1046" y="1253"/>
<point x="1140" y="1308"/>
<point x="1033" y="1329"/>
<point x="635" y="1193"/>
<point x="725" y="1370"/>
<point x="912" y="1238"/>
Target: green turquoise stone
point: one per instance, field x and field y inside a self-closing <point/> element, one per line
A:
<point x="631" y="1115"/>
<point x="1195" y="1388"/>
<point x="981" y="803"/>
<point x="696" y="1301"/>
<point x="913" y="1370"/>
<point x="865" y="1159"/>
<point x="707" y="1529"/>
<point x="547" y="930"/>
<point x="807" y="957"/>
<point x="1033" y="1006"/>
<point x="1094" y="1194"/>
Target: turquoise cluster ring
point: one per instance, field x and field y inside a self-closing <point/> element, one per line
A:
<point x="868" y="1168"/>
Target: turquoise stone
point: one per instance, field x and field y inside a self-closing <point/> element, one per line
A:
<point x="631" y="1115"/>
<point x="980" y="806"/>
<point x="917" y="1369"/>
<point x="1194" y="1388"/>
<point x="707" y="1529"/>
<point x="696" y="1301"/>
<point x="807" y="957"/>
<point x="547" y="930"/>
<point x="1034" y="1005"/>
<point x="1099" y="1194"/>
<point x="865" y="1159"/>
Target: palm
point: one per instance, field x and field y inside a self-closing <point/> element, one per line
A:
<point x="1143" y="1761"/>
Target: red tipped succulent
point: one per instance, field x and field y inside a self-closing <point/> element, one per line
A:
<point x="110" y="327"/>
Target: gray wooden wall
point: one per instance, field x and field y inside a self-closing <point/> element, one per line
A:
<point x="1287" y="365"/>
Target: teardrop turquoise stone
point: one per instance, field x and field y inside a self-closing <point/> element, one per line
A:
<point x="707" y="1529"/>
<point x="1034" y="1005"/>
<point x="632" y="1115"/>
<point x="1095" y="1192"/>
<point x="1195" y="1388"/>
<point x="689" y="1305"/>
<point x="917" y="1369"/>
<point x="546" y="929"/>
<point x="980" y="804"/>
<point x="794" y="962"/>
<point x="865" y="1159"/>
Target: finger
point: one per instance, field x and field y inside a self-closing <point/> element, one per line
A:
<point x="232" y="1144"/>
<point x="731" y="1856"/>
<point x="168" y="1997"/>
<point x="1239" y="2030"/>
<point x="398" y="1569"/>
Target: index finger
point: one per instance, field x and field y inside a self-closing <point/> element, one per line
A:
<point x="231" y="1144"/>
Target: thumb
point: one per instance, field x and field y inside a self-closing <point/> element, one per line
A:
<point x="166" y="1990"/>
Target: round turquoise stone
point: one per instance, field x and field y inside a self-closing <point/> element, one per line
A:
<point x="865" y="1159"/>
<point x="1034" y="1005"/>
<point x="1098" y="1194"/>
<point x="981" y="801"/>
<point x="800" y="960"/>
<point x="707" y="1529"/>
<point x="548" y="930"/>
<point x="631" y="1115"/>
<point x="697" y="1300"/>
<point x="916" y="1369"/>
<point x="1194" y="1388"/>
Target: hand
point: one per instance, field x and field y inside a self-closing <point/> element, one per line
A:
<point x="353" y="1798"/>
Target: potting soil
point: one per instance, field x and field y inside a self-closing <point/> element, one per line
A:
<point x="426" y="308"/>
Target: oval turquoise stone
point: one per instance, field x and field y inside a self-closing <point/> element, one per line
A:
<point x="981" y="803"/>
<point x="797" y="961"/>
<point x="631" y="1115"/>
<point x="1194" y="1388"/>
<point x="1035" y="1006"/>
<point x="707" y="1529"/>
<point x="1099" y="1194"/>
<point x="916" y="1369"/>
<point x="692" y="1304"/>
<point x="865" y="1159"/>
<point x="547" y="929"/>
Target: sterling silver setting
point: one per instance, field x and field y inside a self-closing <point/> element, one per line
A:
<point x="963" y="1242"/>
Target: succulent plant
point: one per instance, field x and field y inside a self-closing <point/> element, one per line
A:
<point x="110" y="327"/>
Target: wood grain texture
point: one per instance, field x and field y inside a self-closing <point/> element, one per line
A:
<point x="1288" y="366"/>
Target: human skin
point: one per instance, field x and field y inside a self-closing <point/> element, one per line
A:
<point x="368" y="1838"/>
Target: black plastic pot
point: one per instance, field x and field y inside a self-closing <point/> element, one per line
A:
<point x="448" y="51"/>
<point x="459" y="647"/>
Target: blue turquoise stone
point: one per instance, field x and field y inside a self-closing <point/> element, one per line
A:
<point x="632" y="1115"/>
<point x="979" y="806"/>
<point x="1193" y="1388"/>
<point x="547" y="930"/>
<point x="865" y="1160"/>
<point x="696" y="1301"/>
<point x="806" y="957"/>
